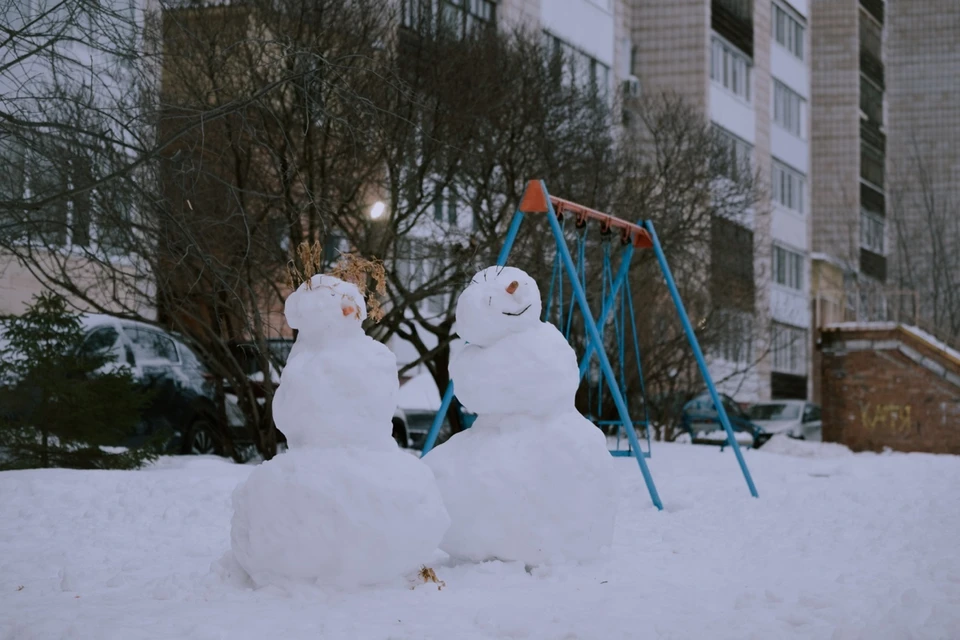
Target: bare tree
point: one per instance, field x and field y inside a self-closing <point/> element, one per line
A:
<point x="925" y="217"/>
<point x="265" y="124"/>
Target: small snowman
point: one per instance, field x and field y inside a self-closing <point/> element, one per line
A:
<point x="344" y="506"/>
<point x="532" y="479"/>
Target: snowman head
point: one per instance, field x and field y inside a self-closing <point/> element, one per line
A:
<point x="499" y="301"/>
<point x="325" y="306"/>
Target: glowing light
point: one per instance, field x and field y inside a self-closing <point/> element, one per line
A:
<point x="377" y="210"/>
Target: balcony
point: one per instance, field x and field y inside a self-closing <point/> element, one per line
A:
<point x="873" y="265"/>
<point x="872" y="200"/>
<point x="875" y="8"/>
<point x="871" y="66"/>
<point x="733" y="19"/>
<point x="871" y="134"/>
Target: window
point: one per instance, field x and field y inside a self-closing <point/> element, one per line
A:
<point x="61" y="222"/>
<point x="787" y="267"/>
<point x="151" y="345"/>
<point x="871" y="164"/>
<point x="811" y="413"/>
<point x="871" y="37"/>
<point x="740" y="154"/>
<point x="445" y="209"/>
<point x="100" y="341"/>
<point x="578" y="68"/>
<point x="730" y="68"/>
<point x="872" y="231"/>
<point x="452" y="17"/>
<point x="871" y="101"/>
<point x="790" y="353"/>
<point x="788" y="30"/>
<point x="788" y="108"/>
<point x="735" y="343"/>
<point x="787" y="187"/>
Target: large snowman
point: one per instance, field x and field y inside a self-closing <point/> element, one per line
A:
<point x="532" y="479"/>
<point x="344" y="506"/>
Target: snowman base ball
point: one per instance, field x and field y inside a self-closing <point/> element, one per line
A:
<point x="519" y="488"/>
<point x="337" y="517"/>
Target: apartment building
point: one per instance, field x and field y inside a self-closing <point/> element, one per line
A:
<point x="45" y="64"/>
<point x="594" y="37"/>
<point x="922" y="64"/>
<point x="848" y="178"/>
<point x="746" y="64"/>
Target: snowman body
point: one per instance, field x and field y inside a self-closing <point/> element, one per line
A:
<point x="532" y="479"/>
<point x="344" y="506"/>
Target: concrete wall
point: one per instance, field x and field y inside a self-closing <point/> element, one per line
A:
<point x="18" y="286"/>
<point x="672" y="38"/>
<point x="835" y="128"/>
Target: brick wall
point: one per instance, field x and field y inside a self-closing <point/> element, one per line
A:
<point x="887" y="388"/>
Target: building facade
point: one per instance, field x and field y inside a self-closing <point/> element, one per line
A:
<point x="849" y="138"/>
<point x="50" y="65"/>
<point x="922" y="63"/>
<point x="746" y="64"/>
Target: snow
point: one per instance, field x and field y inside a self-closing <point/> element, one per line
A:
<point x="918" y="333"/>
<point x="487" y="312"/>
<point x="861" y="546"/>
<point x="933" y="342"/>
<point x="344" y="506"/>
<point x="420" y="393"/>
<point x="359" y="517"/>
<point x="340" y="386"/>
<point x="520" y="489"/>
<point x="529" y="480"/>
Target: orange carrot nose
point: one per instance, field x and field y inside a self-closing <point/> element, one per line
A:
<point x="512" y="287"/>
<point x="348" y="311"/>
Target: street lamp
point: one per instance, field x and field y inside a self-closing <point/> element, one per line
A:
<point x="377" y="210"/>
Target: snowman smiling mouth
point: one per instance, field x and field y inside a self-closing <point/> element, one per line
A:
<point x="516" y="313"/>
<point x="511" y="289"/>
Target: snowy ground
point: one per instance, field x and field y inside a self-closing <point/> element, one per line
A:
<point x="838" y="546"/>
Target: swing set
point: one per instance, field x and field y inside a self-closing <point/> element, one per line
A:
<point x="616" y="311"/>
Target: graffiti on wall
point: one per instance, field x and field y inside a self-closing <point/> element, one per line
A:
<point x="893" y="419"/>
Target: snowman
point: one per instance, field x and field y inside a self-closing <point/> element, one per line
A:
<point x="344" y="506"/>
<point x="531" y="480"/>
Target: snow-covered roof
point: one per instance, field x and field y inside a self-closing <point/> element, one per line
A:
<point x="916" y="332"/>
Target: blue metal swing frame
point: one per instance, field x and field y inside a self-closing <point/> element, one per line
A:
<point x="594" y="341"/>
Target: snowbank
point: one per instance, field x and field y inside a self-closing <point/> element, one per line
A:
<point x="854" y="547"/>
<point x="787" y="446"/>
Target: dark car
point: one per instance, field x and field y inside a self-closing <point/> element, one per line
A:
<point x="183" y="394"/>
<point x="701" y="420"/>
<point x="419" y="422"/>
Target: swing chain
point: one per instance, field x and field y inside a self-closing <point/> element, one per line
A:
<point x="581" y="219"/>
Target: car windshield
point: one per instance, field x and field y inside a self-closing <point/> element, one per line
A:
<point x="775" y="411"/>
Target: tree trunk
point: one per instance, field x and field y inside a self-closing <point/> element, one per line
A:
<point x="440" y="370"/>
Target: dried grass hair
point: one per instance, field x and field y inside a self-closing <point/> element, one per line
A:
<point x="352" y="268"/>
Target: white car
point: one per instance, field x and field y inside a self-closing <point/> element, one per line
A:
<point x="794" y="418"/>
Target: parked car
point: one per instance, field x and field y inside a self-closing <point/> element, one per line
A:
<point x="184" y="400"/>
<point x="702" y="421"/>
<point x="794" y="418"/>
<point x="419" y="422"/>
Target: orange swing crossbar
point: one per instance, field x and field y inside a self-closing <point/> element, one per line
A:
<point x="535" y="201"/>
